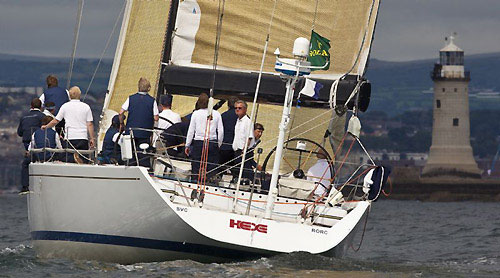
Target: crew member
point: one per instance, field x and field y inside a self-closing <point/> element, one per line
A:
<point x="320" y="173"/>
<point x="167" y="116"/>
<point x="111" y="152"/>
<point x="258" y="130"/>
<point x="79" y="120"/>
<point x="174" y="138"/>
<point x="142" y="115"/>
<point x="47" y="138"/>
<point x="242" y="136"/>
<point x="228" y="121"/>
<point x="54" y="94"/>
<point x="196" y="135"/>
<point x="49" y="109"/>
<point x="27" y="125"/>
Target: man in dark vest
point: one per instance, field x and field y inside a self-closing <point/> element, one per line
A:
<point x="27" y="125"/>
<point x="111" y="152"/>
<point x="55" y="95"/>
<point x="229" y="119"/>
<point x="47" y="138"/>
<point x="142" y="114"/>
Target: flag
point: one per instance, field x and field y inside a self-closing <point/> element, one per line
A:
<point x="311" y="88"/>
<point x="319" y="51"/>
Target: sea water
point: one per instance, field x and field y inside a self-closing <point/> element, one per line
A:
<point x="402" y="239"/>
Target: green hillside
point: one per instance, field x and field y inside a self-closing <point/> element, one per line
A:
<point x="397" y="86"/>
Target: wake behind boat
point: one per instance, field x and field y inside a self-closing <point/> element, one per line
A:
<point x="129" y="214"/>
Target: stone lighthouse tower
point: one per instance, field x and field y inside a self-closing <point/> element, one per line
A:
<point x="451" y="152"/>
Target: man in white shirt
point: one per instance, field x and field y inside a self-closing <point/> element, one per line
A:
<point x="79" y="121"/>
<point x="196" y="135"/>
<point x="243" y="135"/>
<point x="315" y="173"/>
<point x="167" y="117"/>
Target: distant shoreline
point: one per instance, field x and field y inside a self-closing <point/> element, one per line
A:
<point x="445" y="190"/>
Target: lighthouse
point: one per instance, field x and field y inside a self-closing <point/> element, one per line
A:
<point x="451" y="151"/>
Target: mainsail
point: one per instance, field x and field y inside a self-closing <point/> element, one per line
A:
<point x="172" y="44"/>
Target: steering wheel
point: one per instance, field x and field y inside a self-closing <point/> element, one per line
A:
<point x="300" y="154"/>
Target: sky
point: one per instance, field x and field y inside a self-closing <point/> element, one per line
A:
<point x="406" y="29"/>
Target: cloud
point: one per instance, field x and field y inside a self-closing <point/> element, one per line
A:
<point x="415" y="29"/>
<point x="406" y="29"/>
<point x="33" y="27"/>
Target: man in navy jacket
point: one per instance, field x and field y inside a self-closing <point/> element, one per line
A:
<point x="229" y="119"/>
<point x="27" y="125"/>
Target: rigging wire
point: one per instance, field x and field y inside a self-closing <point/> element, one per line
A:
<point x="220" y="15"/>
<point x="315" y="14"/>
<point x="105" y="49"/>
<point x="75" y="40"/>
<point x="205" y="149"/>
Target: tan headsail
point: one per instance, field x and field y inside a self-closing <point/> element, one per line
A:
<point x="139" y="53"/>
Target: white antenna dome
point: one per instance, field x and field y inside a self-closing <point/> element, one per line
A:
<point x="301" y="47"/>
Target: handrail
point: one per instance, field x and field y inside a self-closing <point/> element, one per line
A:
<point x="53" y="150"/>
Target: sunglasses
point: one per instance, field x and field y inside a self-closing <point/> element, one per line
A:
<point x="238" y="108"/>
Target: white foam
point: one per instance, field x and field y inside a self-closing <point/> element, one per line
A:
<point x="16" y="250"/>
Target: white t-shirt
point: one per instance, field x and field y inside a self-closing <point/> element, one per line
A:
<point x="155" y="106"/>
<point x="316" y="172"/>
<point x="76" y="114"/>
<point x="198" y="125"/>
<point x="241" y="130"/>
<point x="162" y="124"/>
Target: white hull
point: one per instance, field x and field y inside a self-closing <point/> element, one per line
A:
<point x="121" y="214"/>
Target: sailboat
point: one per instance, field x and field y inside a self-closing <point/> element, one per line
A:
<point x="129" y="214"/>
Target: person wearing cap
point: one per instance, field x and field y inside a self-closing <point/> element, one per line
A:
<point x="110" y="148"/>
<point x="167" y="117"/>
<point x="142" y="116"/>
<point x="49" y="109"/>
<point x="320" y="173"/>
<point x="55" y="94"/>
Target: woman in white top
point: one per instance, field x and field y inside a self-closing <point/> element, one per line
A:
<point x="196" y="134"/>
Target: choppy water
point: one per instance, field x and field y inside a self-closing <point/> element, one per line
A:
<point x="403" y="239"/>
